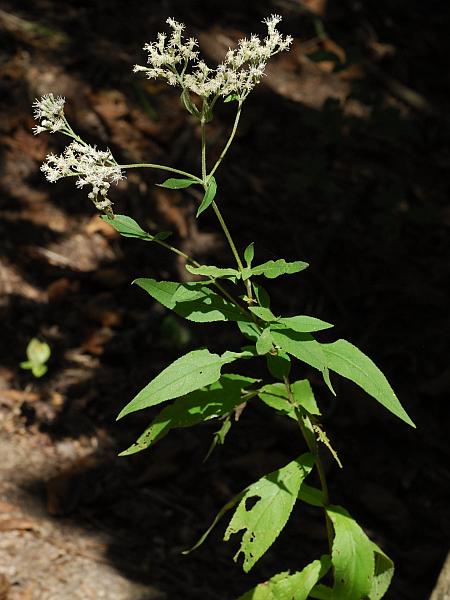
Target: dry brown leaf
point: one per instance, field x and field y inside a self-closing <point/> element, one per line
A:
<point x="17" y="524"/>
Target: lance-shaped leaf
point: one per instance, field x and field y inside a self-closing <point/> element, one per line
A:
<point x="211" y="271"/>
<point x="193" y="301"/>
<point x="384" y="571"/>
<point x="304" y="324"/>
<point x="275" y="268"/>
<point x="275" y="496"/>
<point x="347" y="360"/>
<point x="213" y="401"/>
<point x="128" y="227"/>
<point x="188" y="373"/>
<point x="290" y="587"/>
<point x="264" y="343"/>
<point x="352" y="557"/>
<point x="311" y="495"/>
<point x="209" y="196"/>
<point x="304" y="347"/>
<point x="177" y="184"/>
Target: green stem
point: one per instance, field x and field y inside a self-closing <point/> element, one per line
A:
<point x="161" y="168"/>
<point x="230" y="139"/>
<point x="314" y="449"/>
<point x="197" y="264"/>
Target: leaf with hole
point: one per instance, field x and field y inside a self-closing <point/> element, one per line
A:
<point x="187" y="374"/>
<point x="347" y="360"/>
<point x="265" y="508"/>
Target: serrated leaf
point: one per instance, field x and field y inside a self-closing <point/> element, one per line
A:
<point x="304" y="347"/>
<point x="275" y="268"/>
<point x="211" y="271"/>
<point x="384" y="571"/>
<point x="304" y="324"/>
<point x="249" y="254"/>
<point x="213" y="401"/>
<point x="177" y="184"/>
<point x="347" y="360"/>
<point x="290" y="587"/>
<point x="352" y="557"/>
<point x="209" y="196"/>
<point x="128" y="227"/>
<point x="193" y="301"/>
<point x="275" y="496"/>
<point x="264" y="343"/>
<point x="188" y="373"/>
<point x="279" y="364"/>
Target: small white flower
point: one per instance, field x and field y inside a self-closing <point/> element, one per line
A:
<point x="49" y="112"/>
<point x="242" y="68"/>
<point x="92" y="167"/>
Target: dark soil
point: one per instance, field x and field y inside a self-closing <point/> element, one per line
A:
<point x="344" y="165"/>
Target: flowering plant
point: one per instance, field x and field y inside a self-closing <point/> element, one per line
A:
<point x="353" y="567"/>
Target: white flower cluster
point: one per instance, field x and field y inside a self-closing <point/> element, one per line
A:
<point x="49" y="112"/>
<point x="92" y="167"/>
<point x="238" y="74"/>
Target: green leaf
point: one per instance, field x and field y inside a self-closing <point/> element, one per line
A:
<point x="290" y="587"/>
<point x="128" y="227"/>
<point x="213" y="401"/>
<point x="193" y="301"/>
<point x="352" y="557"/>
<point x="276" y="494"/>
<point x="219" y="437"/>
<point x="384" y="571"/>
<point x="38" y="354"/>
<point x="276" y="396"/>
<point x="231" y="98"/>
<point x="311" y="495"/>
<point x="188" y="373"/>
<point x="210" y="271"/>
<point x="177" y="184"/>
<point x="265" y="314"/>
<point x="249" y="329"/>
<point x="304" y="324"/>
<point x="279" y="365"/>
<point x="209" y="196"/>
<point x="275" y="268"/>
<point x="345" y="359"/>
<point x="249" y="254"/>
<point x="261" y="295"/>
<point x="304" y="347"/>
<point x="264" y="343"/>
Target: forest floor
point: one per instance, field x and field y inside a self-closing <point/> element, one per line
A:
<point x="340" y="162"/>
